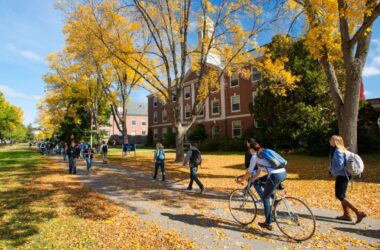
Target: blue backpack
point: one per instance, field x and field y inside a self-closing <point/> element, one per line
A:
<point x="273" y="158"/>
<point x="161" y="155"/>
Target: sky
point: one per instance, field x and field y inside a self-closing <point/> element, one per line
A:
<point x="32" y="29"/>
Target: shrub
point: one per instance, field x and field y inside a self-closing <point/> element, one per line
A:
<point x="197" y="134"/>
<point x="222" y="144"/>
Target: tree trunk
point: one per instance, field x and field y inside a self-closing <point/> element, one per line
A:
<point x="125" y="132"/>
<point x="180" y="137"/>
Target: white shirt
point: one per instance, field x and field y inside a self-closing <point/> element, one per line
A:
<point x="264" y="165"/>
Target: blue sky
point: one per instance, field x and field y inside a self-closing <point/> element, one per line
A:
<point x="31" y="29"/>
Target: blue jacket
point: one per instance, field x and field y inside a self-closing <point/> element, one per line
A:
<point x="338" y="162"/>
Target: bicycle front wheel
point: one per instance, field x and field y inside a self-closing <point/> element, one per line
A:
<point x="294" y="218"/>
<point x="242" y="206"/>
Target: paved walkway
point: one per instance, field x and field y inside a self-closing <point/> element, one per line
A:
<point x="206" y="220"/>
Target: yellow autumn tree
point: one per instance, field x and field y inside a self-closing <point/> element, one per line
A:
<point x="340" y="31"/>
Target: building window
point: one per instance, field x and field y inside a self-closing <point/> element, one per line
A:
<point x="155" y="133"/>
<point x="134" y="122"/>
<point x="215" y="131"/>
<point x="255" y="75"/>
<point x="155" y="117"/>
<point x="187" y="111"/>
<point x="164" y="116"/>
<point x="253" y="97"/>
<point x="215" y="107"/>
<point x="164" y="132"/>
<point x="234" y="80"/>
<point x="187" y="92"/>
<point x="174" y="95"/>
<point x="133" y="132"/>
<point x="143" y="122"/>
<point x="235" y="103"/>
<point x="143" y="132"/>
<point x="236" y="129"/>
<point x="200" y="109"/>
<point x="155" y="102"/>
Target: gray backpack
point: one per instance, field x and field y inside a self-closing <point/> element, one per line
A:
<point x="354" y="164"/>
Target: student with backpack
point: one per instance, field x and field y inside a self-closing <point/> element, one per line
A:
<point x="273" y="164"/>
<point x="88" y="154"/>
<point x="73" y="152"/>
<point x="194" y="158"/>
<point x="343" y="167"/>
<point x="104" y="151"/>
<point x="159" y="161"/>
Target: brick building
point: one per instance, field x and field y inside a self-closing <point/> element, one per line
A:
<point x="137" y="124"/>
<point x="226" y="112"/>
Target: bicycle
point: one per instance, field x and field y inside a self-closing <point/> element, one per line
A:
<point x="289" y="213"/>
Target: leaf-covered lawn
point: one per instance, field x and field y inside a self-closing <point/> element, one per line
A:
<point x="41" y="206"/>
<point x="308" y="176"/>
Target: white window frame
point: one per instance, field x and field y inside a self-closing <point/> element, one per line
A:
<point x="212" y="106"/>
<point x="155" y="102"/>
<point x="232" y="103"/>
<point x="133" y="133"/>
<point x="233" y="75"/>
<point x="254" y="93"/>
<point x="184" y="92"/>
<point x="200" y="107"/>
<point x="256" y="71"/>
<point x="155" y="117"/>
<point x="164" y="132"/>
<point x="214" y="135"/>
<point x="233" y="129"/>
<point x="187" y="111"/>
<point x="143" y="132"/>
<point x="143" y="122"/>
<point x="155" y="133"/>
<point x="133" y="120"/>
<point x="164" y="115"/>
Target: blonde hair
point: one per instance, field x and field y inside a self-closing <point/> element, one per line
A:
<point x="339" y="143"/>
<point x="159" y="146"/>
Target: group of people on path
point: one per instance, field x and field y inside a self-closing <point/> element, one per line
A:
<point x="267" y="177"/>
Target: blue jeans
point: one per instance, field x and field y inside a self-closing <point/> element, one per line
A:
<point x="88" y="163"/>
<point x="159" y="164"/>
<point x="271" y="185"/>
<point x="194" y="177"/>
<point x="72" y="165"/>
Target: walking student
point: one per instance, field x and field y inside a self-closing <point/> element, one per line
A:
<point x="274" y="179"/>
<point x="65" y="148"/>
<point x="104" y="151"/>
<point x="194" y="158"/>
<point x="337" y="169"/>
<point x="73" y="154"/>
<point x="159" y="161"/>
<point x="88" y="154"/>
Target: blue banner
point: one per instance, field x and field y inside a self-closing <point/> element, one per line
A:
<point x="129" y="147"/>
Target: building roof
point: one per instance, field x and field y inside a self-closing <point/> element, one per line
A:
<point x="137" y="109"/>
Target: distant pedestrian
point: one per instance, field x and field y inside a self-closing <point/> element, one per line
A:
<point x="81" y="147"/>
<point x="65" y="148"/>
<point x="159" y="161"/>
<point x="73" y="153"/>
<point x="104" y="151"/>
<point x="337" y="169"/>
<point x="88" y="154"/>
<point x="194" y="158"/>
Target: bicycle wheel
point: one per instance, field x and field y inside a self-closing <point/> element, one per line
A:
<point x="294" y="218"/>
<point x="242" y="206"/>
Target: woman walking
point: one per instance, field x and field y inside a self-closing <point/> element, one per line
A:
<point x="159" y="161"/>
<point x="338" y="163"/>
<point x="89" y="154"/>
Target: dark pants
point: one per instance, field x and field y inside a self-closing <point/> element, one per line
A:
<point x="270" y="186"/>
<point x="72" y="165"/>
<point x="194" y="177"/>
<point x="159" y="164"/>
<point x="341" y="184"/>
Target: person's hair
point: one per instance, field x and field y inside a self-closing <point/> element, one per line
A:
<point x="251" y="140"/>
<point x="255" y="146"/>
<point x="339" y="143"/>
<point x="159" y="145"/>
<point x="192" y="143"/>
<point x="103" y="142"/>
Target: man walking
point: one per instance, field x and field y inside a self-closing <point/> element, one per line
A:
<point x="73" y="154"/>
<point x="104" y="151"/>
<point x="194" y="158"/>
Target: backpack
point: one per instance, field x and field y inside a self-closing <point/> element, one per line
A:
<point x="104" y="149"/>
<point x="196" y="156"/>
<point x="160" y="155"/>
<point x="354" y="164"/>
<point x="273" y="158"/>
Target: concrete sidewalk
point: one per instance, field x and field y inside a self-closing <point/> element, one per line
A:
<point x="206" y="220"/>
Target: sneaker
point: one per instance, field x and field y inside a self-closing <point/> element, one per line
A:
<point x="203" y="190"/>
<point x="265" y="225"/>
<point x="189" y="188"/>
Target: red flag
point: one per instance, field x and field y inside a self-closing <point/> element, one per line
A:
<point x="362" y="96"/>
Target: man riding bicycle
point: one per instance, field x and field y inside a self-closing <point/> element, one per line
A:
<point x="274" y="178"/>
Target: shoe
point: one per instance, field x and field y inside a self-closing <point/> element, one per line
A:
<point x="344" y="217"/>
<point x="154" y="178"/>
<point x="163" y="180"/>
<point x="203" y="190"/>
<point x="360" y="216"/>
<point x="265" y="225"/>
<point x="189" y="188"/>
